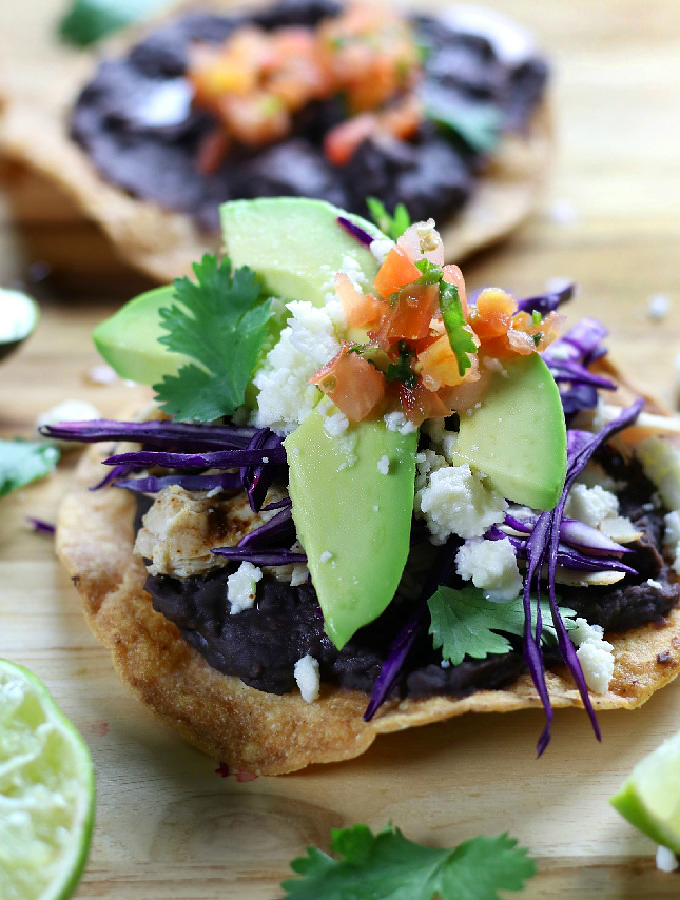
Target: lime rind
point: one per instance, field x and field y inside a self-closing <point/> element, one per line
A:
<point x="47" y="792"/>
<point x="650" y="797"/>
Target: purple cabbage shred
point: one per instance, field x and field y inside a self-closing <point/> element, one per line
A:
<point x="41" y="526"/>
<point x="152" y="484"/>
<point x="261" y="557"/>
<point x="364" y="238"/>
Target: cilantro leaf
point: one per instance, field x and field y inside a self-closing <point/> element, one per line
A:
<point x="387" y="866"/>
<point x="431" y="272"/>
<point x="460" y="339"/>
<point x="464" y="623"/>
<point x="87" y="21"/>
<point x="221" y="325"/>
<point x="392" y="225"/>
<point x="22" y="462"/>
<point x="402" y="371"/>
<point x="477" y="126"/>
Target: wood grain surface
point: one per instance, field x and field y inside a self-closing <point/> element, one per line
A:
<point x="167" y="825"/>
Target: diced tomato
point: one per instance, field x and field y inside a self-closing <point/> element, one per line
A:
<point x="411" y="315"/>
<point x="403" y="119"/>
<point x="419" y="404"/>
<point x="256" y="119"/>
<point x="361" y="309"/>
<point x="341" y="142"/>
<point x="453" y="275"/>
<point x="397" y="271"/>
<point x="212" y="149"/>
<point x="352" y="383"/>
<point x="493" y="314"/>
<point x="470" y="392"/>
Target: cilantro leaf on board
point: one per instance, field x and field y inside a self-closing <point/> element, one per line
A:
<point x="464" y="623"/>
<point x="387" y="866"/>
<point x="22" y="462"/>
<point x="392" y="225"/>
<point x="87" y="21"/>
<point x="222" y="326"/>
<point x="460" y="339"/>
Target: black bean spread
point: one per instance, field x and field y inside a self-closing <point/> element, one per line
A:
<point x="139" y="123"/>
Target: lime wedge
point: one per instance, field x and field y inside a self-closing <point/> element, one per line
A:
<point x="650" y="798"/>
<point x="47" y="792"/>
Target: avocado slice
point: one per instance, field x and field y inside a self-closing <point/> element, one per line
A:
<point x="518" y="435"/>
<point x="294" y="243"/>
<point x="353" y="521"/>
<point x="128" y="340"/>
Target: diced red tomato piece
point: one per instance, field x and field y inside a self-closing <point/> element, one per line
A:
<point x="493" y="314"/>
<point x="361" y="309"/>
<point x="352" y="383"/>
<point x="419" y="404"/>
<point x="341" y="142"/>
<point x="470" y="392"/>
<point x="411" y="315"/>
<point x="397" y="271"/>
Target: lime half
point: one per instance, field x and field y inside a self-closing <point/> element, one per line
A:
<point x="47" y="792"/>
<point x="650" y="798"/>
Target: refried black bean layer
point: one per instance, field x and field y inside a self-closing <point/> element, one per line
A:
<point x="156" y="160"/>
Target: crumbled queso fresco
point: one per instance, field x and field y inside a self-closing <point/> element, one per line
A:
<point x="241" y="587"/>
<point x="492" y="566"/>
<point x="595" y="655"/>
<point x="306" y="673"/>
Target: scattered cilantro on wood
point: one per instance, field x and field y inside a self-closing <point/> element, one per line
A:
<point x="464" y="623"/>
<point x="22" y="462"/>
<point x="460" y="339"/>
<point x="87" y="21"/>
<point x="222" y="325"/>
<point x="392" y="225"/>
<point x="387" y="866"/>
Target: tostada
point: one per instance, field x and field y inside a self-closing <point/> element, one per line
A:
<point x="445" y="111"/>
<point x="362" y="500"/>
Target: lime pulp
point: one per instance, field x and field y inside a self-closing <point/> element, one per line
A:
<point x="47" y="792"/>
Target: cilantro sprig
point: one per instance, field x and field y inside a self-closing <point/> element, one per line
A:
<point x="460" y="338"/>
<point x="222" y="325"/>
<point x="22" y="462"/>
<point x="464" y="623"/>
<point x="388" y="866"/>
<point x="401" y="370"/>
<point x="392" y="225"/>
<point x="87" y="21"/>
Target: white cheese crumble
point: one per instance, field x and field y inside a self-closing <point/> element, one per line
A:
<point x="336" y="424"/>
<point x="658" y="307"/>
<point x="299" y="575"/>
<point x="666" y="860"/>
<point x="591" y="505"/>
<point x="326" y="556"/>
<point x="383" y="465"/>
<point x="493" y="364"/>
<point x="241" y="587"/>
<point x="492" y="566"/>
<point x="397" y="421"/>
<point x="306" y="673"/>
<point x="285" y="397"/>
<point x="380" y="247"/>
<point x="671" y="536"/>
<point x="595" y="655"/>
<point x="456" y="501"/>
<point x="655" y="584"/>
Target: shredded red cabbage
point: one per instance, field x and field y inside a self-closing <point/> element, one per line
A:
<point x="218" y="459"/>
<point x="41" y="526"/>
<point x="566" y="556"/>
<point x="362" y="236"/>
<point x="161" y="433"/>
<point x="152" y="484"/>
<point x="278" y="530"/>
<point x="548" y="302"/>
<point x="256" y="480"/>
<point x="568" y="359"/>
<point x="264" y="557"/>
<point x="573" y="533"/>
<point x="543" y="546"/>
<point x="115" y="473"/>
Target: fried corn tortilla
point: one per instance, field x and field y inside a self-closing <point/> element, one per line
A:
<point x="41" y="82"/>
<point x="262" y="732"/>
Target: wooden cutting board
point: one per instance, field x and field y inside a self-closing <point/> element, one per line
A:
<point x="167" y="825"/>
